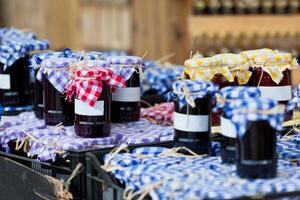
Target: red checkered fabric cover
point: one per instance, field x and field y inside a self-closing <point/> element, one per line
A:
<point x="160" y="113"/>
<point x="88" y="83"/>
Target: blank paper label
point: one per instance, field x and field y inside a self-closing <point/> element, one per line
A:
<point x="4" y="81"/>
<point x="131" y="94"/>
<point x="227" y="128"/>
<point x="191" y="123"/>
<point x="82" y="108"/>
<point x="278" y="93"/>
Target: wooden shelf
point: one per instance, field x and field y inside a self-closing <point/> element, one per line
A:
<point x="248" y="24"/>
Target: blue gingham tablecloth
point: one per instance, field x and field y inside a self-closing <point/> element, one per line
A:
<point x="48" y="141"/>
<point x="154" y="171"/>
<point x="160" y="77"/>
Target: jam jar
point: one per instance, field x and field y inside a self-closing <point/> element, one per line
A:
<point x="272" y="74"/>
<point x="126" y="104"/>
<point x="16" y="90"/>
<point x="256" y="155"/>
<point x="38" y="96"/>
<point x="56" y="76"/>
<point x="256" y="151"/>
<point x="209" y="69"/>
<point x="226" y="99"/>
<point x="93" y="122"/>
<point x="192" y="123"/>
<point x="92" y="83"/>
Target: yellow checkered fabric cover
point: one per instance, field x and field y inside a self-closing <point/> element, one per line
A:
<point x="238" y="66"/>
<point x="272" y="62"/>
<point x="206" y="68"/>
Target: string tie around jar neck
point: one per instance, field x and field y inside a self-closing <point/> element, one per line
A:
<point x="187" y="95"/>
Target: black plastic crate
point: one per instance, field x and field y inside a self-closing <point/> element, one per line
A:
<point x="100" y="185"/>
<point x="103" y="186"/>
<point x="63" y="168"/>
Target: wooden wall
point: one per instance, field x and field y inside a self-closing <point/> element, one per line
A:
<point x="78" y="24"/>
<point x="160" y="28"/>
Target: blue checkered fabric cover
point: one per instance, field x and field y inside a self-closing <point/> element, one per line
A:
<point x="195" y="177"/>
<point x="196" y="89"/>
<point x="16" y="44"/>
<point x="38" y="58"/>
<point x="231" y="93"/>
<point x="243" y="110"/>
<point x="160" y="77"/>
<point x="125" y="66"/>
<point x="295" y="101"/>
<point x="106" y="54"/>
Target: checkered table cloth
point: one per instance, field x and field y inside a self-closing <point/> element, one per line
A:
<point x="151" y="170"/>
<point x="160" y="113"/>
<point x="50" y="140"/>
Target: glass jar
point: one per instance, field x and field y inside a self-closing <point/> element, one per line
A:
<point x="56" y="76"/>
<point x="192" y="126"/>
<point x="256" y="151"/>
<point x="38" y="97"/>
<point x="209" y="69"/>
<point x="256" y="121"/>
<point x="126" y="106"/>
<point x="227" y="97"/>
<point x="192" y="120"/>
<point x="271" y="73"/>
<point x="16" y="91"/>
<point x="93" y="122"/>
<point x="282" y="92"/>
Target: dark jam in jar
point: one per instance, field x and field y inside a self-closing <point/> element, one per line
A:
<point x="126" y="104"/>
<point x="56" y="108"/>
<point x="281" y="92"/>
<point x="256" y="151"/>
<point x="228" y="144"/>
<point x="38" y="97"/>
<point x="16" y="91"/>
<point x="192" y="126"/>
<point x="92" y="122"/>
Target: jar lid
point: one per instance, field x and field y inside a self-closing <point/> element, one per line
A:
<point x="232" y="60"/>
<point x="188" y="91"/>
<point x="88" y="83"/>
<point x="239" y="92"/>
<point x="90" y="63"/>
<point x="205" y="62"/>
<point x="58" y="62"/>
<point x="230" y="94"/>
<point x="124" y="60"/>
<point x="256" y="109"/>
<point x="259" y="56"/>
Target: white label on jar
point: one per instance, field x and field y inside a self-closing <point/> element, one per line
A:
<point x="228" y="129"/>
<point x="82" y="108"/>
<point x="278" y="93"/>
<point x="5" y="81"/>
<point x="131" y="94"/>
<point x="191" y="123"/>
